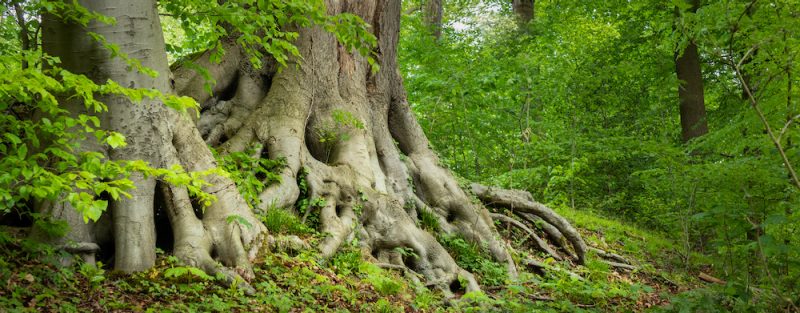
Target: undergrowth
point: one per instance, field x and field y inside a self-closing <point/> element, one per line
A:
<point x="303" y="282"/>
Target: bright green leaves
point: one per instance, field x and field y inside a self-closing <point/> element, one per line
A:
<point x="354" y="34"/>
<point x="186" y="273"/>
<point x="56" y="157"/>
<point x="71" y="11"/>
<point x="251" y="172"/>
<point x="235" y="218"/>
<point x="86" y="204"/>
<point x="116" y="140"/>
<point x="260" y="27"/>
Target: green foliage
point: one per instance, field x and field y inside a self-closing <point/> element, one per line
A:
<point x="51" y="158"/>
<point x="580" y="108"/>
<point x="251" y="172"/>
<point x="283" y="283"/>
<point x="472" y="258"/>
<point x="428" y="220"/>
<point x="309" y="208"/>
<point x="280" y="221"/>
<point x="338" y="129"/>
<point x="259" y="27"/>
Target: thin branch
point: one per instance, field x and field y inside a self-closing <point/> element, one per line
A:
<point x="786" y="127"/>
<point x="775" y="140"/>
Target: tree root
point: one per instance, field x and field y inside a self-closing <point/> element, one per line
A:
<point x="540" y="244"/>
<point x="522" y="201"/>
<point x="368" y="168"/>
<point x="541" y="268"/>
<point x="611" y="256"/>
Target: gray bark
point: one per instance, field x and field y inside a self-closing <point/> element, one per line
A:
<point x="434" y="10"/>
<point x="374" y="180"/>
<point x="156" y="134"/>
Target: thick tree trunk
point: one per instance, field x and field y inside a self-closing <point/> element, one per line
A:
<point x="350" y="130"/>
<point x="690" y="89"/>
<point x="156" y="134"/>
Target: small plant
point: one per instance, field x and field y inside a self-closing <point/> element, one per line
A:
<point x="251" y="172"/>
<point x="406" y="252"/>
<point x="186" y="273"/>
<point x="428" y="220"/>
<point x="346" y="261"/>
<point x="281" y="221"/>
<point x="337" y="130"/>
<point x="471" y="258"/>
<point x="94" y="273"/>
<point x="384" y="284"/>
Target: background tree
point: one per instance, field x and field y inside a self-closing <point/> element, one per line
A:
<point x="690" y="92"/>
<point x="524" y="9"/>
<point x="434" y="11"/>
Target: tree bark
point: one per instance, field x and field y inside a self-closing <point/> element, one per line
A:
<point x="524" y="10"/>
<point x="690" y="89"/>
<point x="351" y="131"/>
<point x="155" y="134"/>
<point x="434" y="10"/>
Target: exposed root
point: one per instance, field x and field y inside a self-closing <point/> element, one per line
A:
<point x="541" y="244"/>
<point x="287" y="243"/>
<point x="621" y="266"/>
<point x="611" y="256"/>
<point x="542" y="268"/>
<point x="368" y="174"/>
<point x="522" y="201"/>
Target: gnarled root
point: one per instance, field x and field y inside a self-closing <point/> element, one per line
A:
<point x="368" y="167"/>
<point x="522" y="201"/>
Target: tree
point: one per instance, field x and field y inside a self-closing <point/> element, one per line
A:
<point x="434" y="9"/>
<point x="524" y="9"/>
<point x="690" y="88"/>
<point x="347" y="138"/>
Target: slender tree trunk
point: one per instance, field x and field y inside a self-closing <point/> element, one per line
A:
<point x="434" y="10"/>
<point x="690" y="89"/>
<point x="24" y="36"/>
<point x="524" y="10"/>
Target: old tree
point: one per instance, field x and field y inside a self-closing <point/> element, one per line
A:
<point x="340" y="127"/>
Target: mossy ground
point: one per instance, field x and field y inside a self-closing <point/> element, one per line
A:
<point x="30" y="280"/>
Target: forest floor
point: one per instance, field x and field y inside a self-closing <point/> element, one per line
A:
<point x="30" y="280"/>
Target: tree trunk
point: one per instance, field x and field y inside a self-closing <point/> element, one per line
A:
<point x="690" y="89"/>
<point x="156" y="134"/>
<point x="434" y="10"/>
<point x="350" y="130"/>
<point x="524" y="10"/>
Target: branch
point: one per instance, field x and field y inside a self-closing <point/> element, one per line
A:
<point x="775" y="140"/>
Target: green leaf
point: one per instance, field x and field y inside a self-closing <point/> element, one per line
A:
<point x="116" y="140"/>
<point x="239" y="219"/>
